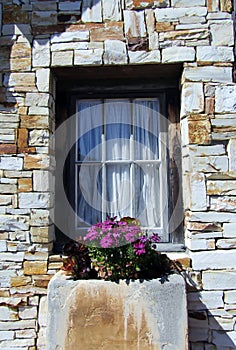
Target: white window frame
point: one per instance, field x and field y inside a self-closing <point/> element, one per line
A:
<point x="161" y="162"/>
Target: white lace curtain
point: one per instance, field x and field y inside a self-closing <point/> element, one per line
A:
<point x="118" y="161"/>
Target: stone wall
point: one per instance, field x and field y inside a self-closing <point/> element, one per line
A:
<point x="39" y="35"/>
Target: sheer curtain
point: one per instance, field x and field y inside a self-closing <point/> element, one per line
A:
<point x="117" y="161"/>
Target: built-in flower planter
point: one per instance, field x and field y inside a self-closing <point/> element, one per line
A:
<point x="102" y="315"/>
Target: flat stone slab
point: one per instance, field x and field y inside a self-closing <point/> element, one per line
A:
<point x="102" y="315"/>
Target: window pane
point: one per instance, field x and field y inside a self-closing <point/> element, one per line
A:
<point x="117" y="129"/>
<point x="118" y="190"/>
<point x="146" y="129"/>
<point x="147" y="203"/>
<point x="90" y="131"/>
<point x="89" y="194"/>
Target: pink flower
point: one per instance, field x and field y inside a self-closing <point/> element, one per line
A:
<point x="92" y="234"/>
<point x="155" y="238"/>
<point x="139" y="248"/>
<point x="106" y="242"/>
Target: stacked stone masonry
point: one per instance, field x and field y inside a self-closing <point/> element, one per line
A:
<point x="39" y="35"/>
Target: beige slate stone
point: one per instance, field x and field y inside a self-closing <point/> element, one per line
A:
<point x="37" y="121"/>
<point x="140" y="57"/>
<point x="209" y="164"/>
<point x="35" y="267"/>
<point x="226" y="5"/>
<point x="208" y="74"/>
<point x="25" y="185"/>
<point x="81" y="35"/>
<point x="175" y="14"/>
<point x="11" y="163"/>
<point x="164" y="26"/>
<point x="108" y="31"/>
<point x="41" y="53"/>
<point x="43" y="79"/>
<point x="115" y="52"/>
<point x="199" y="130"/>
<point x="198" y="192"/>
<point x="134" y="23"/>
<point x="223" y="203"/>
<point x="41" y="234"/>
<point x="88" y="57"/>
<point x="42" y="180"/>
<point x="232" y="154"/>
<point x="213" y="5"/>
<point x="39" y="217"/>
<point x="222" y="33"/>
<point x="215" y="54"/>
<point x="62" y="58"/>
<point x="187" y="3"/>
<point x="192" y="98"/>
<point x="34" y="200"/>
<point x="178" y="54"/>
<point x="36" y="162"/>
<point x="225" y="99"/>
<point x="111" y="10"/>
<point x="17" y="281"/>
<point x="8" y="314"/>
<point x="20" y="81"/>
<point x="220" y="187"/>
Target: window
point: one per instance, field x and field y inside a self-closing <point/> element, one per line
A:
<point x="121" y="162"/>
<point x="125" y="159"/>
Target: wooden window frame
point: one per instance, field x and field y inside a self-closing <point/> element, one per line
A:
<point x="69" y="90"/>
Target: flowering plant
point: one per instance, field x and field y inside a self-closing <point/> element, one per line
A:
<point x="118" y="249"/>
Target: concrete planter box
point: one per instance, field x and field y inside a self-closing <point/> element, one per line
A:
<point x="93" y="314"/>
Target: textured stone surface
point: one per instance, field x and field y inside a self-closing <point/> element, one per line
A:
<point x="140" y="57"/>
<point x="126" y="322"/>
<point x="35" y="267"/>
<point x="192" y="98"/>
<point x="82" y="35"/>
<point x="174" y="14"/>
<point x="111" y="10"/>
<point x="91" y="11"/>
<point x="41" y="53"/>
<point x="219" y="280"/>
<point x="62" y="58"/>
<point x="225" y="99"/>
<point x="178" y="54"/>
<point x="115" y="52"/>
<point x="215" y="54"/>
<point x="88" y="57"/>
<point x="34" y="200"/>
<point x="208" y="74"/>
<point x="198" y="192"/>
<point x="134" y="24"/>
<point x="222" y="33"/>
<point x="187" y="3"/>
<point x="213" y="260"/>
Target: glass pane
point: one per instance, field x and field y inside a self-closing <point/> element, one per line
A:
<point x="117" y="129"/>
<point x="147" y="201"/>
<point x="118" y="190"/>
<point x="146" y="131"/>
<point x="89" y="194"/>
<point x="90" y="127"/>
